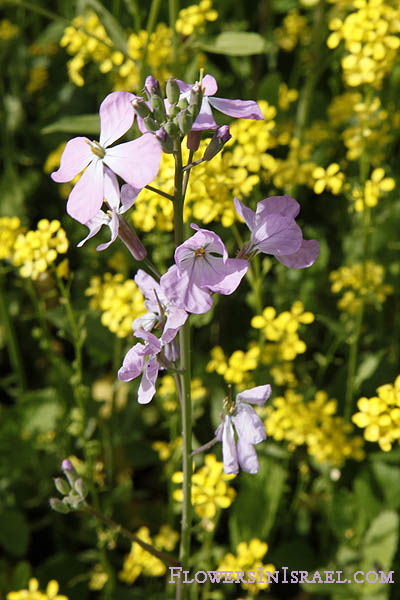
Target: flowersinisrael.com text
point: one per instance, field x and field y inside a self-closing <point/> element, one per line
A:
<point x="261" y="575"/>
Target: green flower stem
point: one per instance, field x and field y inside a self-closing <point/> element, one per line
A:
<point x="160" y="192"/>
<point x="12" y="342"/>
<point x="173" y="9"/>
<point x="166" y="558"/>
<point x="76" y="330"/>
<point x="185" y="379"/>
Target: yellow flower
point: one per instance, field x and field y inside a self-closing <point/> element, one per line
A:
<point x="10" y="228"/>
<point x="194" y="17"/>
<point x="373" y="189"/>
<point x="330" y="179"/>
<point x="286" y="96"/>
<point x="294" y="30"/>
<point x="248" y="558"/>
<point x="8" y="30"/>
<point x="37" y="249"/>
<point x="33" y="593"/>
<point x="379" y="416"/>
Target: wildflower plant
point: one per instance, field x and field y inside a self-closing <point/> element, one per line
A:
<point x="202" y="267"/>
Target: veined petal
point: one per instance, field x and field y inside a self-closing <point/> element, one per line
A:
<point x="111" y="189"/>
<point x="150" y="290"/>
<point x="277" y="235"/>
<point x="76" y="157"/>
<point x="153" y="344"/>
<point x="129" y="196"/>
<point x="184" y="294"/>
<point x="248" y="215"/>
<point x="205" y="118"/>
<point x="137" y="162"/>
<point x="175" y="319"/>
<point x="145" y="322"/>
<point x="247" y="456"/>
<point x="229" y="452"/>
<point x="304" y="257"/>
<point x="256" y="395"/>
<point x="113" y="224"/>
<point x="87" y="195"/>
<point x="147" y="387"/>
<point x="221" y="276"/>
<point x="133" y="363"/>
<point x="241" y="109"/>
<point x="248" y="424"/>
<point x="209" y="85"/>
<point x="116" y="116"/>
<point x="95" y="225"/>
<point x="282" y="205"/>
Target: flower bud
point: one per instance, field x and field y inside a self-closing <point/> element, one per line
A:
<point x="183" y="103"/>
<point x="158" y="106"/>
<point x="59" y="506"/>
<point x="166" y="142"/>
<point x="185" y="121"/>
<point x="193" y="140"/>
<point x="151" y="124"/>
<point x="69" y="471"/>
<point x="81" y="488"/>
<point x="129" y="236"/>
<point x="172" y="90"/>
<point x="140" y="107"/>
<point x="152" y="87"/>
<point x="62" y="486"/>
<point x="220" y="137"/>
<point x="195" y="100"/>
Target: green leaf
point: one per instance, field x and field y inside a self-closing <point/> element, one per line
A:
<point x="89" y="124"/>
<point x="14" y="532"/>
<point x="388" y="478"/>
<point x="40" y="410"/>
<point x="380" y="541"/>
<point x="234" y="43"/>
<point x="368" y="367"/>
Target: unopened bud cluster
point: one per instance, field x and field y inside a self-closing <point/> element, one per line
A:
<point x="73" y="488"/>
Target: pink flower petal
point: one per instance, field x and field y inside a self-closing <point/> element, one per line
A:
<point x="209" y="84"/>
<point x="304" y="257"/>
<point x="249" y="425"/>
<point x="241" y="109"/>
<point x="256" y="395"/>
<point x="277" y="235"/>
<point x="111" y="189"/>
<point x="147" y="387"/>
<point x="137" y="162"/>
<point x="224" y="277"/>
<point x="177" y="289"/>
<point x="87" y="195"/>
<point x="116" y="117"/>
<point x="282" y="205"/>
<point x="247" y="456"/>
<point x="129" y="196"/>
<point x="94" y="226"/>
<point x="113" y="224"/>
<point x="76" y="157"/>
<point x="205" y="118"/>
<point x="229" y="452"/>
<point x="133" y="363"/>
<point x="248" y="215"/>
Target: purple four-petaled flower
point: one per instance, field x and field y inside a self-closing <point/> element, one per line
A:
<point x="250" y="430"/>
<point x="274" y="231"/>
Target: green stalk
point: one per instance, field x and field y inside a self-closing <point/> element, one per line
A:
<point x="184" y="387"/>
<point x="173" y="6"/>
<point x="12" y="343"/>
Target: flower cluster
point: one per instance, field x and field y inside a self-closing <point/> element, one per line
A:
<point x="140" y="562"/>
<point x="315" y="424"/>
<point x="365" y="281"/>
<point x="370" y="38"/>
<point x="10" y="228"/>
<point x="294" y="30"/>
<point x="235" y="369"/>
<point x="210" y="490"/>
<point x="166" y="393"/>
<point x="330" y="179"/>
<point x="194" y="17"/>
<point x="379" y="416"/>
<point x="33" y="592"/>
<point x="36" y="250"/>
<point x="120" y="301"/>
<point x="248" y="559"/>
<point x="373" y="189"/>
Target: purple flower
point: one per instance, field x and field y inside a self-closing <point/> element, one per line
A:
<point x="249" y="428"/>
<point x="274" y="231"/>
<point x="118" y="204"/>
<point x="137" y="162"/>
<point x="240" y="109"/>
<point x="202" y="266"/>
<point x="145" y="359"/>
<point x="161" y="312"/>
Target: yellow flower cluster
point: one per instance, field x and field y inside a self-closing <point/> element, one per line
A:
<point x="140" y="561"/>
<point x="33" y="592"/>
<point x="330" y="179"/>
<point x="193" y="17"/>
<point x="370" y="38"/>
<point x="235" y="369"/>
<point x="166" y="449"/>
<point x="296" y="168"/>
<point x="294" y="30"/>
<point x="37" y="79"/>
<point x="328" y="437"/>
<point x="8" y="30"/>
<point x="212" y="187"/>
<point x="248" y="558"/>
<point x="282" y="329"/>
<point x="167" y="393"/>
<point x="373" y="189"/>
<point x="10" y="228"/>
<point x="286" y="96"/>
<point x="119" y="299"/>
<point x="365" y="281"/>
<point x="35" y="250"/>
<point x="210" y="490"/>
<point x="379" y="416"/>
